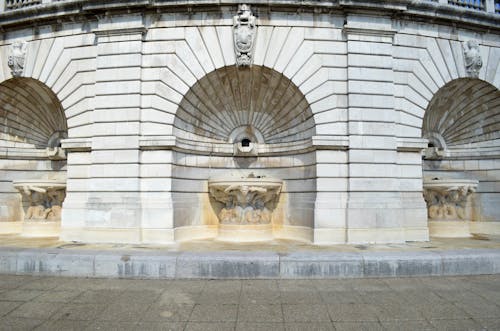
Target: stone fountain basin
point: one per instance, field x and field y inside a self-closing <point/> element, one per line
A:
<point x="39" y="185"/>
<point x="249" y="195"/>
<point x="449" y="184"/>
<point x="264" y="182"/>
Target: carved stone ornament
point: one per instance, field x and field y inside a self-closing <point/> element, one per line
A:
<point x="16" y="58"/>
<point x="472" y="58"/>
<point x="448" y="199"/>
<point x="44" y="197"/>
<point x="244" y="29"/>
<point x="246" y="200"/>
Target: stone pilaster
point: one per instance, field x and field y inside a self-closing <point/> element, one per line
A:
<point x="377" y="197"/>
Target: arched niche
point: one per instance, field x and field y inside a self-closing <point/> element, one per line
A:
<point x="256" y="99"/>
<point x="462" y="124"/>
<point x="31" y="115"/>
<point x="244" y="122"/>
<point x="465" y="113"/>
<point x="32" y="125"/>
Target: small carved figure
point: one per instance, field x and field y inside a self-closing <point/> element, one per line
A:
<point x="244" y="28"/>
<point x="16" y="58"/>
<point x="472" y="57"/>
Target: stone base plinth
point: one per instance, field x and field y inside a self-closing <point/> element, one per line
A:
<point x="41" y="229"/>
<point x="449" y="229"/>
<point x="245" y="233"/>
<point x="11" y="227"/>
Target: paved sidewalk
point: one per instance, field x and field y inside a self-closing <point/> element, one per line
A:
<point x="433" y="303"/>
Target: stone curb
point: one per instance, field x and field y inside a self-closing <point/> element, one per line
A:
<point x="247" y="265"/>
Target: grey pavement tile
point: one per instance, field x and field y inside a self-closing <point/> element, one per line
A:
<point x="44" y="283"/>
<point x="298" y="297"/>
<point x="259" y="285"/>
<point x="457" y="325"/>
<point x="57" y="296"/>
<point x="80" y="311"/>
<point x="480" y="309"/>
<point x="442" y="311"/>
<point x="407" y="325"/>
<point x="490" y="295"/>
<point x="19" y="323"/>
<point x="121" y="311"/>
<point x="36" y="310"/>
<point x="112" y="326"/>
<point x="421" y="297"/>
<point x="249" y="326"/>
<point x="394" y="312"/>
<point x="381" y="297"/>
<point x="20" y="295"/>
<point x="85" y="284"/>
<point x="192" y="286"/>
<point x="368" y="285"/>
<point x="457" y="295"/>
<point x="232" y="286"/>
<point x="296" y="285"/>
<point x="160" y="326"/>
<point x="178" y="296"/>
<point x="444" y="283"/>
<point x="309" y="326"/>
<point x="358" y="326"/>
<point x="260" y="297"/>
<point x="490" y="323"/>
<point x="143" y="296"/>
<point x="9" y="282"/>
<point x="172" y="313"/>
<point x="218" y="297"/>
<point x="305" y="313"/>
<point x="98" y="296"/>
<point x="402" y="284"/>
<point x="214" y="313"/>
<point x="340" y="285"/>
<point x="260" y="313"/>
<point x="329" y="296"/>
<point x="207" y="326"/>
<point x="353" y="312"/>
<point x="8" y="306"/>
<point x="63" y="325"/>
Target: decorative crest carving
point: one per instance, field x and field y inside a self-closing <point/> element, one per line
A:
<point x="472" y="56"/>
<point x="244" y="29"/>
<point x="17" y="57"/>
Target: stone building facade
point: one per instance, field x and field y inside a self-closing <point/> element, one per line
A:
<point x="135" y="106"/>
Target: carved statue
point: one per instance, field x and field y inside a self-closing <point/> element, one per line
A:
<point x="472" y="57"/>
<point x="244" y="29"/>
<point x="16" y="58"/>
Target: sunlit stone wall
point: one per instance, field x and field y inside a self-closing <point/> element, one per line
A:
<point x="353" y="172"/>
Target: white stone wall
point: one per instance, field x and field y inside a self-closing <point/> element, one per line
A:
<point x="368" y="81"/>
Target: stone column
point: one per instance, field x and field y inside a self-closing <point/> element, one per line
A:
<point x="114" y="204"/>
<point x="376" y="200"/>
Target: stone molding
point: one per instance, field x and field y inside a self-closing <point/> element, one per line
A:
<point x="323" y="142"/>
<point x="76" y="10"/>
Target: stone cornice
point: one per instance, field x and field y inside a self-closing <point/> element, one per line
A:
<point x="80" y="10"/>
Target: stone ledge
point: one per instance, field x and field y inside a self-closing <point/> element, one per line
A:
<point x="247" y="265"/>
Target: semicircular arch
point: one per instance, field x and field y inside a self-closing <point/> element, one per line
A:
<point x="31" y="115"/>
<point x="257" y="98"/>
<point x="464" y="111"/>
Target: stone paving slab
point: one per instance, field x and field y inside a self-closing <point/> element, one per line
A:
<point x="408" y="303"/>
<point x="247" y="265"/>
